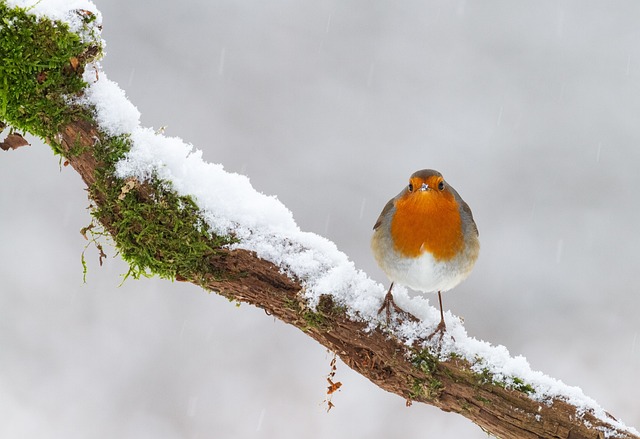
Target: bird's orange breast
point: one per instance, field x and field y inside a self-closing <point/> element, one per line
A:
<point x="427" y="222"/>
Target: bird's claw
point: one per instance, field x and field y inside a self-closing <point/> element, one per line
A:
<point x="387" y="303"/>
<point x="440" y="330"/>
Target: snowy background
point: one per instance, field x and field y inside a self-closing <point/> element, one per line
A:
<point x="530" y="111"/>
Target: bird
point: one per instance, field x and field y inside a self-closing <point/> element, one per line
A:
<point x="426" y="239"/>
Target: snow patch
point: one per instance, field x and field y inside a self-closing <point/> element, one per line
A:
<point x="115" y="114"/>
<point x="60" y="10"/>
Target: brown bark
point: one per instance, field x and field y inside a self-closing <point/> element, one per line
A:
<point x="449" y="385"/>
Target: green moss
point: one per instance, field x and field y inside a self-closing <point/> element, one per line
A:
<point x="320" y="318"/>
<point x="328" y="306"/>
<point x="465" y="406"/>
<point x="484" y="377"/>
<point x="155" y="230"/>
<point x="291" y="304"/>
<point x="425" y="361"/>
<point x="425" y="389"/>
<point x="109" y="150"/>
<point x="314" y="320"/>
<point x="429" y="386"/>
<point x="512" y="383"/>
<point x="77" y="148"/>
<point x="417" y="389"/>
<point x="41" y="66"/>
<point x="519" y="385"/>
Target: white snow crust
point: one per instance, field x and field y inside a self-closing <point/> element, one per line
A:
<point x="230" y="205"/>
<point x="60" y="10"/>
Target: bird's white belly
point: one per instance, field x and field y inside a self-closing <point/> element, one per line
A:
<point x="424" y="273"/>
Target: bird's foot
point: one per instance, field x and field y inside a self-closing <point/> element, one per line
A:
<point x="440" y="330"/>
<point x="388" y="303"/>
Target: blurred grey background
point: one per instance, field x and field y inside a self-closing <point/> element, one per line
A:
<point x="530" y="109"/>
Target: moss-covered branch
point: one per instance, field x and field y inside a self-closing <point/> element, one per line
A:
<point x="161" y="233"/>
<point x="156" y="231"/>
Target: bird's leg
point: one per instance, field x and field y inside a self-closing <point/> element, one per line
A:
<point x="442" y="327"/>
<point x="388" y="302"/>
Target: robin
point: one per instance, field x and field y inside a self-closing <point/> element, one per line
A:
<point x="425" y="238"/>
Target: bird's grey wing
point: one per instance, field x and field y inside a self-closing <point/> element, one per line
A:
<point x="465" y="208"/>
<point x="387" y="208"/>
<point x="384" y="213"/>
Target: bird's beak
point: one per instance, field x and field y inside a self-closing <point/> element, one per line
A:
<point x="424" y="187"/>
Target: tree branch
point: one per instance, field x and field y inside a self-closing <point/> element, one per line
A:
<point x="414" y="372"/>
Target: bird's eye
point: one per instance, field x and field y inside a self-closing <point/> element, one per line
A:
<point x="410" y="187"/>
<point x="441" y="185"/>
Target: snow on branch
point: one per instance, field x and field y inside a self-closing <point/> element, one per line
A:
<point x="326" y="283"/>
